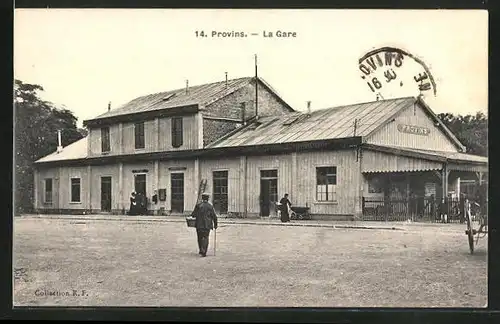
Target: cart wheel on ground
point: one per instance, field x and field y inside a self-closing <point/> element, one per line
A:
<point x="470" y="232"/>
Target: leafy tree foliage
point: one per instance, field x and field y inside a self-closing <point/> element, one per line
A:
<point x="471" y="130"/>
<point x="35" y="131"/>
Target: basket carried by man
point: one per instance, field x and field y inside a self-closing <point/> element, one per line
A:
<point x="191" y="221"/>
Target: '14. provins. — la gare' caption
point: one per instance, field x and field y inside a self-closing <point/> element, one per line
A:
<point x="240" y="34"/>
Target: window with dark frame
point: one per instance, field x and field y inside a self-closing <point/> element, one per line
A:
<point x="105" y="141"/>
<point x="139" y="135"/>
<point x="48" y="190"/>
<point x="326" y="180"/>
<point x="75" y="189"/>
<point x="177" y="136"/>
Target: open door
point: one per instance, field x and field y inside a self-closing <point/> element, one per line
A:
<point x="177" y="194"/>
<point x="106" y="194"/>
<point x="268" y="191"/>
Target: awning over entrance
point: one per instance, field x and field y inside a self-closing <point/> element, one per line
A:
<point x="381" y="158"/>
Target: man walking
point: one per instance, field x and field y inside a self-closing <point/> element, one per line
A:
<point x="206" y="219"/>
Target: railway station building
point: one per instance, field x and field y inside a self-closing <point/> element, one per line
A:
<point x="341" y="162"/>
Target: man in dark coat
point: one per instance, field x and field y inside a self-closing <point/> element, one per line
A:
<point x="206" y="220"/>
<point x="284" y="205"/>
<point x="133" y="204"/>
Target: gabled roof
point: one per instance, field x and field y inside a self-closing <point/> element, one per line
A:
<point x="204" y="94"/>
<point x="331" y="123"/>
<point x="75" y="150"/>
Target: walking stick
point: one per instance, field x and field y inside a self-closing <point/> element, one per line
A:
<point x="215" y="239"/>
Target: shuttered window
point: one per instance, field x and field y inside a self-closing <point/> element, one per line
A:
<point x="139" y="135"/>
<point x="105" y="142"/>
<point x="326" y="181"/>
<point x="177" y="136"/>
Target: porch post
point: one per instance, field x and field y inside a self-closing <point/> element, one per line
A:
<point x="444" y="180"/>
<point x="358" y="200"/>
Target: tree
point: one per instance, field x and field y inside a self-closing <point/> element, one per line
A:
<point x="471" y="130"/>
<point x="36" y="125"/>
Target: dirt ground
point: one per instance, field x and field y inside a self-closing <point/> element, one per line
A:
<point x="113" y="263"/>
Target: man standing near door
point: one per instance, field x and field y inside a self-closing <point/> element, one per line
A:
<point x="206" y="220"/>
<point x="285" y="205"/>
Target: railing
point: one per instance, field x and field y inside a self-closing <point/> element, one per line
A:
<point x="413" y="209"/>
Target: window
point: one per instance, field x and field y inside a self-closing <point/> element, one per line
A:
<point x="105" y="144"/>
<point x="139" y="135"/>
<point x="326" y="180"/>
<point x="75" y="189"/>
<point x="177" y="131"/>
<point x="48" y="190"/>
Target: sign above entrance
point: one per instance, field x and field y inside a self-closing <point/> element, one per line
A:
<point x="417" y="130"/>
<point x="140" y="171"/>
<point x="177" y="168"/>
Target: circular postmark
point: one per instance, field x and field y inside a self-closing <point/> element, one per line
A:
<point x="390" y="71"/>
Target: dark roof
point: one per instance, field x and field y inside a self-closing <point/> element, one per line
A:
<point x="255" y="150"/>
<point x="331" y="123"/>
<point x="204" y="94"/>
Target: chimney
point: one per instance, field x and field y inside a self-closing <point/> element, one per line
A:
<point x="226" y="79"/>
<point x="243" y="113"/>
<point x="187" y="86"/>
<point x="59" y="143"/>
<point x="309" y="108"/>
<point x="109" y="106"/>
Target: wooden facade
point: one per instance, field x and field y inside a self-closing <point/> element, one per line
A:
<point x="255" y="179"/>
<point x="396" y="132"/>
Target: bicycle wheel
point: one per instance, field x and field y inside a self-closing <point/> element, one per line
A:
<point x="470" y="232"/>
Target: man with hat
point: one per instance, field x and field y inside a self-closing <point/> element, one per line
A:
<point x="206" y="220"/>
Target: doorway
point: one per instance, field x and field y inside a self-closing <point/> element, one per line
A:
<point x="140" y="184"/>
<point x="268" y="191"/>
<point x="177" y="194"/>
<point x="106" y="194"/>
<point x="220" y="191"/>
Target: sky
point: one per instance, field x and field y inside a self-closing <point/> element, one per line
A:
<point x="86" y="58"/>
